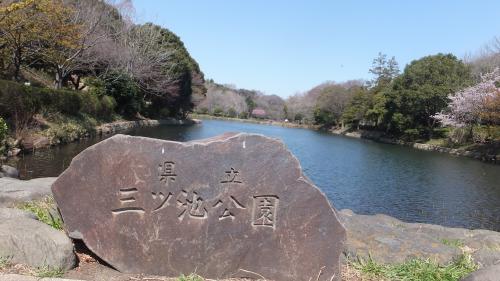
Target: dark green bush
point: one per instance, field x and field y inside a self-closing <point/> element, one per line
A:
<point x="19" y="103"/>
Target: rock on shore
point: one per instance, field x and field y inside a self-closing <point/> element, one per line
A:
<point x="13" y="191"/>
<point x="389" y="240"/>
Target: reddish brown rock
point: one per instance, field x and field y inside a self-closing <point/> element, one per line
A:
<point x="237" y="205"/>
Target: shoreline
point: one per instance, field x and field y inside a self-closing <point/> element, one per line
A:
<point x="375" y="136"/>
<point x="34" y="142"/>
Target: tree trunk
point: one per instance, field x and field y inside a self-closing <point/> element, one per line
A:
<point x="16" y="59"/>
<point x="59" y="78"/>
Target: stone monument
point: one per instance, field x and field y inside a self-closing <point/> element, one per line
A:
<point x="236" y="205"/>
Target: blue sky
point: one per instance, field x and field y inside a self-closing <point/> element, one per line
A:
<point x="283" y="47"/>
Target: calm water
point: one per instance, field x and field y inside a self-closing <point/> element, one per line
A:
<point x="364" y="176"/>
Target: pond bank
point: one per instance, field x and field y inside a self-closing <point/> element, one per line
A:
<point x="485" y="156"/>
<point x="38" y="141"/>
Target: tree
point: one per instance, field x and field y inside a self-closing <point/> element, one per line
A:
<point x="333" y="101"/>
<point x="422" y="91"/>
<point x="475" y="105"/>
<point x="167" y="75"/>
<point x="357" y="109"/>
<point x="21" y="31"/>
<point x="75" y="32"/>
<point x="384" y="70"/>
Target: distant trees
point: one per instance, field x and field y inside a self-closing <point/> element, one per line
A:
<point x="422" y="91"/>
<point x="332" y="102"/>
<point x="224" y="100"/>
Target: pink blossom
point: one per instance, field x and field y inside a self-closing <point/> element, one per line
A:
<point x="465" y="107"/>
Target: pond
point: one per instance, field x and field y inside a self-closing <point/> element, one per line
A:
<point x="367" y="177"/>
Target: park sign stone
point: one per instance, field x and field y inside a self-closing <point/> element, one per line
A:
<point x="236" y="205"/>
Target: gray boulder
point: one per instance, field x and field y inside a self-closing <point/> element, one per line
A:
<point x="17" y="277"/>
<point x="30" y="242"/>
<point x="490" y="273"/>
<point x="11" y="213"/>
<point x="389" y="240"/>
<point x="9" y="172"/>
<point x="14" y="191"/>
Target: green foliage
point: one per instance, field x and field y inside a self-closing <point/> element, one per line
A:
<point x="231" y="113"/>
<point x="404" y="106"/>
<point x="48" y="272"/>
<point x="43" y="209"/>
<point x="332" y="102"/>
<point x="218" y="112"/>
<point x="202" y="110"/>
<point x="4" y="130"/>
<point x="20" y="103"/>
<point x="358" y="108"/>
<point x="187" y="82"/>
<point x="418" y="269"/>
<point x="125" y="92"/>
<point x="324" y="116"/>
<point x="422" y="91"/>
<point x="66" y="129"/>
<point x="243" y="115"/>
<point x="4" y="262"/>
<point x="190" y="277"/>
<point x="457" y="243"/>
<point x="250" y="103"/>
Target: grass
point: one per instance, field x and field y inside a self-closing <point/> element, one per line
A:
<point x="4" y="262"/>
<point x="456" y="243"/>
<point x="416" y="269"/>
<point x="42" y="210"/>
<point x="190" y="277"/>
<point x="43" y="272"/>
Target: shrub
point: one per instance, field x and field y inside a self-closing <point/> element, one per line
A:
<point x="90" y="103"/>
<point x="231" y="113"/>
<point x="218" y="112"/>
<point x="108" y="105"/>
<point x="125" y="92"/>
<point x="202" y="110"/>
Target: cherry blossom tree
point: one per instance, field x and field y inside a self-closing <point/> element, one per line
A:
<point x="467" y="107"/>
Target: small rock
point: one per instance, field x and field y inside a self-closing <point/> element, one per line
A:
<point x="491" y="273"/>
<point x="9" y="171"/>
<point x="13" y="152"/>
<point x="11" y="213"/>
<point x="30" y="242"/>
<point x="14" y="191"/>
<point x="17" y="277"/>
<point x="35" y="142"/>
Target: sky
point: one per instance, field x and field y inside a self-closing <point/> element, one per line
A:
<point x="284" y="47"/>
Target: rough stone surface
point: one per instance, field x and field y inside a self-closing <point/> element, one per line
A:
<point x="30" y="242"/>
<point x="11" y="213"/>
<point x="98" y="272"/>
<point x="389" y="240"/>
<point x="490" y="273"/>
<point x="237" y="205"/>
<point x="13" y="191"/>
<point x="9" y="171"/>
<point x="17" y="277"/>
